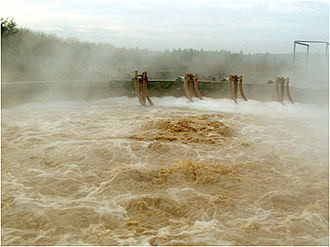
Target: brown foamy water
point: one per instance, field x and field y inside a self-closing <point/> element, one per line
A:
<point x="101" y="173"/>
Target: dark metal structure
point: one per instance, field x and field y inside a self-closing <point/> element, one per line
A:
<point x="307" y="43"/>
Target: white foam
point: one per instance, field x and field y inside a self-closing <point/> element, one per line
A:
<point x="273" y="109"/>
<point x="111" y="213"/>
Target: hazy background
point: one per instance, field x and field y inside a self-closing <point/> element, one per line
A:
<point x="250" y="26"/>
<point x="85" y="40"/>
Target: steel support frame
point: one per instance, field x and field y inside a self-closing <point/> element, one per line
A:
<point x="307" y="44"/>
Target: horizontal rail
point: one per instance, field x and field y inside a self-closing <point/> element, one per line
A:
<point x="116" y="80"/>
<point x="127" y="81"/>
<point x="62" y="81"/>
<point x="312" y="41"/>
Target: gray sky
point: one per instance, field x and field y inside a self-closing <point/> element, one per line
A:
<point x="250" y="26"/>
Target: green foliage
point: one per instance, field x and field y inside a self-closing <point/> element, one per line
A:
<point x="8" y="27"/>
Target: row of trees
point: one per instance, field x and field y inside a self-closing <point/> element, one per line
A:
<point x="35" y="56"/>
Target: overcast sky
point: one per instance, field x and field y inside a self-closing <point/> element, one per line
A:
<point x="250" y="26"/>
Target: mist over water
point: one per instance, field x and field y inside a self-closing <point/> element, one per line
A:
<point x="31" y="56"/>
<point x="212" y="172"/>
<point x="100" y="170"/>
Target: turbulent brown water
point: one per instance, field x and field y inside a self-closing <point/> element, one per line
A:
<point x="109" y="173"/>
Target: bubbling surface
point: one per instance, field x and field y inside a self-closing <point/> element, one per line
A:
<point x="110" y="172"/>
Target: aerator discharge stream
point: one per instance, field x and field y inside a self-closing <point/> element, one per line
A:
<point x="190" y="84"/>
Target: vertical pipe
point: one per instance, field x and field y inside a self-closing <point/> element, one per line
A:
<point x="277" y="89"/>
<point x="198" y="94"/>
<point x="190" y="85"/>
<point x="186" y="87"/>
<point x="230" y="84"/>
<point x="327" y="56"/>
<point x="146" y="89"/>
<point x="307" y="58"/>
<point x="241" y="88"/>
<point x="288" y="91"/>
<point x="235" y="87"/>
<point x="282" y="89"/>
<point x="294" y="55"/>
<point x="137" y="86"/>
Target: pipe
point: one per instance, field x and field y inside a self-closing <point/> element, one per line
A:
<point x="230" y="81"/>
<point x="198" y="94"/>
<point x="137" y="87"/>
<point x="190" y="85"/>
<point x="144" y="87"/>
<point x="235" y="87"/>
<point x="241" y="88"/>
<point x="282" y="90"/>
<point x="288" y="91"/>
<point x="186" y="87"/>
<point x="145" y="84"/>
<point x="277" y="89"/>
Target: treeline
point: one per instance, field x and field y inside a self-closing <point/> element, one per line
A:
<point x="35" y="56"/>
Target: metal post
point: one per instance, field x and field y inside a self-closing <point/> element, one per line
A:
<point x="294" y="54"/>
<point x="327" y="56"/>
<point x="307" y="59"/>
